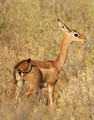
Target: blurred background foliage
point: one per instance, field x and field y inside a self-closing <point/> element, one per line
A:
<point x="29" y="29"/>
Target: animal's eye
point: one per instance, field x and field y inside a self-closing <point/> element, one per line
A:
<point x="76" y="35"/>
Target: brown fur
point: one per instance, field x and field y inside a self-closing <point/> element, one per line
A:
<point x="47" y="71"/>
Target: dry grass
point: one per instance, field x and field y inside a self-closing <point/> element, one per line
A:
<point x="29" y="29"/>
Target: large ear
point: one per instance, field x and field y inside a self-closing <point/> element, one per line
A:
<point x="64" y="27"/>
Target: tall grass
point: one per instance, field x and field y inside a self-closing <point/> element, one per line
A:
<point x="29" y="29"/>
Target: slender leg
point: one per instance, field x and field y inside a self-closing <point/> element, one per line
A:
<point x="18" y="90"/>
<point x="51" y="95"/>
<point x="28" y="95"/>
<point x="30" y="92"/>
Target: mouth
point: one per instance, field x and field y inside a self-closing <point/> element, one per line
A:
<point x="83" y="41"/>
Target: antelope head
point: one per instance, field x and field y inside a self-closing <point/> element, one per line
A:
<point x="71" y="34"/>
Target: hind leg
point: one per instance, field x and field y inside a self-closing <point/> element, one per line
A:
<point x="34" y="87"/>
<point x="18" y="90"/>
<point x="30" y="92"/>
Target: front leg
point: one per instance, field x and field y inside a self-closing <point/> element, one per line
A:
<point x="51" y="95"/>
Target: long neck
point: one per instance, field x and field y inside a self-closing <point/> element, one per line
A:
<point x="61" y="58"/>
